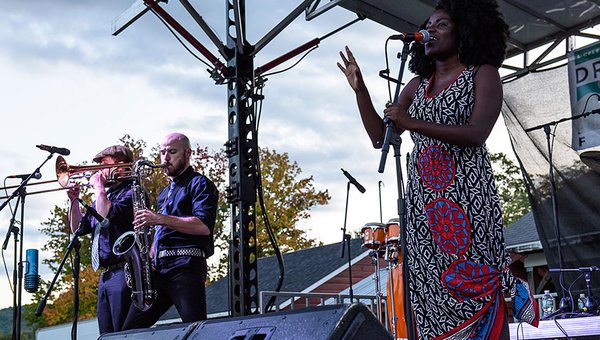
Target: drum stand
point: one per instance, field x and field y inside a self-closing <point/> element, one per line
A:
<point x="392" y="262"/>
<point x="375" y="260"/>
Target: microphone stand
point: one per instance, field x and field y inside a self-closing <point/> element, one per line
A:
<point x="590" y="303"/>
<point x="73" y="244"/>
<point x="346" y="243"/>
<point x="565" y="304"/>
<point x="17" y="265"/>
<point x="21" y="192"/>
<point x="393" y="138"/>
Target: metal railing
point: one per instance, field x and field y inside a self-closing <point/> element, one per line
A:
<point x="296" y="300"/>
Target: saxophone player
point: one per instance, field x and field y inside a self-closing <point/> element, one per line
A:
<point x="183" y="237"/>
<point x="113" y="201"/>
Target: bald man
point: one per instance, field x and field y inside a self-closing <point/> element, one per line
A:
<point x="183" y="239"/>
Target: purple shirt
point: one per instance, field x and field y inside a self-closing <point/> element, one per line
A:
<point x="193" y="194"/>
<point x="120" y="216"/>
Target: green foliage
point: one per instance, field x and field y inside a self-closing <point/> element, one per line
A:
<point x="511" y="188"/>
<point x="288" y="199"/>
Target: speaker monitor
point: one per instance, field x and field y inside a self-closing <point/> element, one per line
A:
<point x="324" y="322"/>
<point x="333" y="322"/>
<point x="173" y="332"/>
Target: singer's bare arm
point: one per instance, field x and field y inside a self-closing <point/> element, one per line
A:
<point x="371" y="120"/>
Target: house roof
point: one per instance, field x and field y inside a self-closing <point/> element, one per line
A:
<point x="522" y="235"/>
<point x="302" y="269"/>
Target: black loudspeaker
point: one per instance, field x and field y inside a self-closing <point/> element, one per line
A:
<point x="334" y="322"/>
<point x="179" y="331"/>
<point x="324" y="322"/>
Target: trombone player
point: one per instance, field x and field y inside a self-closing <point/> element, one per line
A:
<point x="113" y="201"/>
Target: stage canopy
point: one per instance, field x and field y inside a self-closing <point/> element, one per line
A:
<point x="545" y="24"/>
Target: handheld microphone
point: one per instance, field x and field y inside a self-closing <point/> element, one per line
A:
<point x="32" y="279"/>
<point x="422" y="37"/>
<point x="36" y="175"/>
<point x="354" y="181"/>
<point x="54" y="149"/>
<point x="103" y="221"/>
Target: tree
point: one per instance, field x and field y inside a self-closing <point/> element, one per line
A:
<point x="283" y="190"/>
<point x="288" y="200"/>
<point x="511" y="188"/>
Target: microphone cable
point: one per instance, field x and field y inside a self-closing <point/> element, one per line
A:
<point x="265" y="216"/>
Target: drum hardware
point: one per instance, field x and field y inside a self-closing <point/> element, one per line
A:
<point x="391" y="264"/>
<point x="384" y="242"/>
<point x="375" y="256"/>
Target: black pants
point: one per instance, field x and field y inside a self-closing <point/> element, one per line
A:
<point x="182" y="287"/>
<point x="114" y="301"/>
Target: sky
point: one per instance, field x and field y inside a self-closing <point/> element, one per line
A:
<point x="66" y="81"/>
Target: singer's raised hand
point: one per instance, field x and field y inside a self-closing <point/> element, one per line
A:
<point x="351" y="70"/>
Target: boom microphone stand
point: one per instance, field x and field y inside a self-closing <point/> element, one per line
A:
<point x="73" y="244"/>
<point x="18" y="258"/>
<point x="346" y="240"/>
<point x="590" y="303"/>
<point x="565" y="301"/>
<point x="346" y="243"/>
<point x="393" y="138"/>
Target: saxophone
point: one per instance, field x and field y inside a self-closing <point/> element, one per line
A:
<point x="135" y="246"/>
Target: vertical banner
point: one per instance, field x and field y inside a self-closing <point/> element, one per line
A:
<point x="584" y="86"/>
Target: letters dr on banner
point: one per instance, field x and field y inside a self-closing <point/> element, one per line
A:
<point x="584" y="87"/>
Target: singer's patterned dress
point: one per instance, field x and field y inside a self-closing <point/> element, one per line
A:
<point x="455" y="242"/>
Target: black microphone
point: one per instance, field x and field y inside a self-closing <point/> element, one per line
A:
<point x="387" y="139"/>
<point x="103" y="221"/>
<point x="54" y="149"/>
<point x="354" y="181"/>
<point x="422" y="36"/>
<point x="36" y="175"/>
<point x="32" y="279"/>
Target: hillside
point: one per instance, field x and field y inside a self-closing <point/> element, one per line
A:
<point x="6" y="325"/>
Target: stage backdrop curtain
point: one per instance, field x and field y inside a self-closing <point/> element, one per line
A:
<point x="536" y="99"/>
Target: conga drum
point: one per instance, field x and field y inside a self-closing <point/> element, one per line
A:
<point x="392" y="233"/>
<point x="373" y="235"/>
<point x="398" y="292"/>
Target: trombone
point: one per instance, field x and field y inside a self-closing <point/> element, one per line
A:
<point x="66" y="174"/>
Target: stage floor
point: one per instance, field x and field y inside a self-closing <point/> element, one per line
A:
<point x="551" y="329"/>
